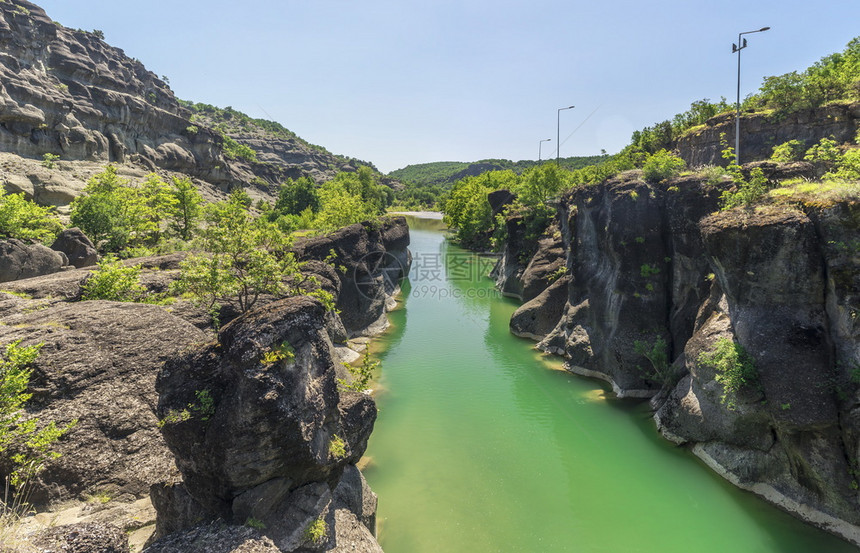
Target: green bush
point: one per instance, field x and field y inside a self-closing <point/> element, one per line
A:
<point x="661" y="166"/>
<point x="30" y="446"/>
<point x="113" y="281"/>
<point x="48" y="160"/>
<point x="295" y="196"/>
<point x="748" y="191"/>
<point x="116" y="214"/>
<point x="23" y="219"/>
<point x="316" y="531"/>
<point x="848" y="167"/>
<point x="234" y="150"/>
<point x="242" y="259"/>
<point x="657" y="354"/>
<point x="787" y="151"/>
<point x="826" y="151"/>
<point x="734" y="369"/>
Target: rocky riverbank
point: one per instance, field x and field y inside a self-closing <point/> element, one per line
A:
<point x="122" y="369"/>
<point x="630" y="263"/>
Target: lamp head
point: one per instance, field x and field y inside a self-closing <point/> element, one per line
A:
<point x="764" y="29"/>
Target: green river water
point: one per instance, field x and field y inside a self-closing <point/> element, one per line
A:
<point x="484" y="445"/>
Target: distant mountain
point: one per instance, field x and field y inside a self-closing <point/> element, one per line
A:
<point x="447" y="172"/>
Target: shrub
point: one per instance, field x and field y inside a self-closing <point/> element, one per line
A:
<point x="113" y="281"/>
<point x="48" y="160"/>
<point x="31" y="446"/>
<point x="360" y="375"/>
<point x="787" y="151"/>
<point x="316" y="531"/>
<point x="733" y="366"/>
<point x="658" y="355"/>
<point x="23" y="219"/>
<point x="662" y="165"/>
<point x="849" y="166"/>
<point x="234" y="150"/>
<point x="337" y="447"/>
<point x="825" y="152"/>
<point x="748" y="191"/>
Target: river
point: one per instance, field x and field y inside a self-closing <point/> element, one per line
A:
<point x="484" y="445"/>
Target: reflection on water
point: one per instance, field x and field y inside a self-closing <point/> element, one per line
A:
<point x="482" y="446"/>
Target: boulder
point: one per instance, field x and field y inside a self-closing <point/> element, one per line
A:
<point x="257" y="417"/>
<point x="79" y="249"/>
<point x="19" y="260"/>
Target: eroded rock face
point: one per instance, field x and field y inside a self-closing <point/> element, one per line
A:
<point x="371" y="258"/>
<point x="82" y="538"/>
<point x="652" y="262"/>
<point x="98" y="365"/>
<point x="761" y="132"/>
<point x="260" y="429"/>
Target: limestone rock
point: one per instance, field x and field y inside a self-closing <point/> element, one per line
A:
<point x="99" y="365"/>
<point x="20" y="260"/>
<point x="267" y="421"/>
<point x="82" y="538"/>
<point x="78" y="248"/>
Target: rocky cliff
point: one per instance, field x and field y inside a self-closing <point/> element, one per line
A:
<point x="760" y="132"/>
<point x="660" y="264"/>
<point x="68" y="93"/>
<point x="272" y="423"/>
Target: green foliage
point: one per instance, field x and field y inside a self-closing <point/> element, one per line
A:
<point x="848" y="167"/>
<point x="316" y="531"/>
<point x="48" y="160"/>
<point x="826" y="152"/>
<point x="662" y="165"/>
<point x="295" y="196"/>
<point x="657" y="354"/>
<point x="700" y="111"/>
<point x="192" y="129"/>
<point x="116" y="214"/>
<point x="787" y="151"/>
<point x="281" y="352"/>
<point x="733" y="366"/>
<point x="203" y="407"/>
<point x="557" y="274"/>
<point x="255" y="523"/>
<point x="748" y="191"/>
<point x="186" y="208"/>
<point x="336" y="447"/>
<point x="361" y="376"/>
<point x="467" y="210"/>
<point x="30" y="445"/>
<point x="541" y="183"/>
<point x="339" y="206"/>
<point x="243" y="258"/>
<point x="113" y="281"/>
<point x="833" y="78"/>
<point x="234" y="150"/>
<point x="649" y="270"/>
<point x="23" y="219"/>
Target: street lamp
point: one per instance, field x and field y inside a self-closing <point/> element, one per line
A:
<point x="737" y="48"/>
<point x="558" y="133"/>
<point x="541" y="144"/>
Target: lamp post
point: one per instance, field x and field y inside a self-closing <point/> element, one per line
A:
<point x="558" y="133"/>
<point x="541" y="144"/>
<point x="737" y="48"/>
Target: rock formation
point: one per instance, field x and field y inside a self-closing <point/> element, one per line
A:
<point x="67" y="93"/>
<point x="650" y="263"/>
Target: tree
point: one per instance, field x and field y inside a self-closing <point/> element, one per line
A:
<point x="117" y="214"/>
<point x="541" y="183"/>
<point x="294" y="196"/>
<point x="340" y="206"/>
<point x="244" y="258"/>
<point x="186" y="210"/>
<point x="23" y="219"/>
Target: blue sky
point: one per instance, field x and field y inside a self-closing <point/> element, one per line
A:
<point x="402" y="82"/>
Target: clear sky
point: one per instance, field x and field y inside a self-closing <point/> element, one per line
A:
<point x="397" y="82"/>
